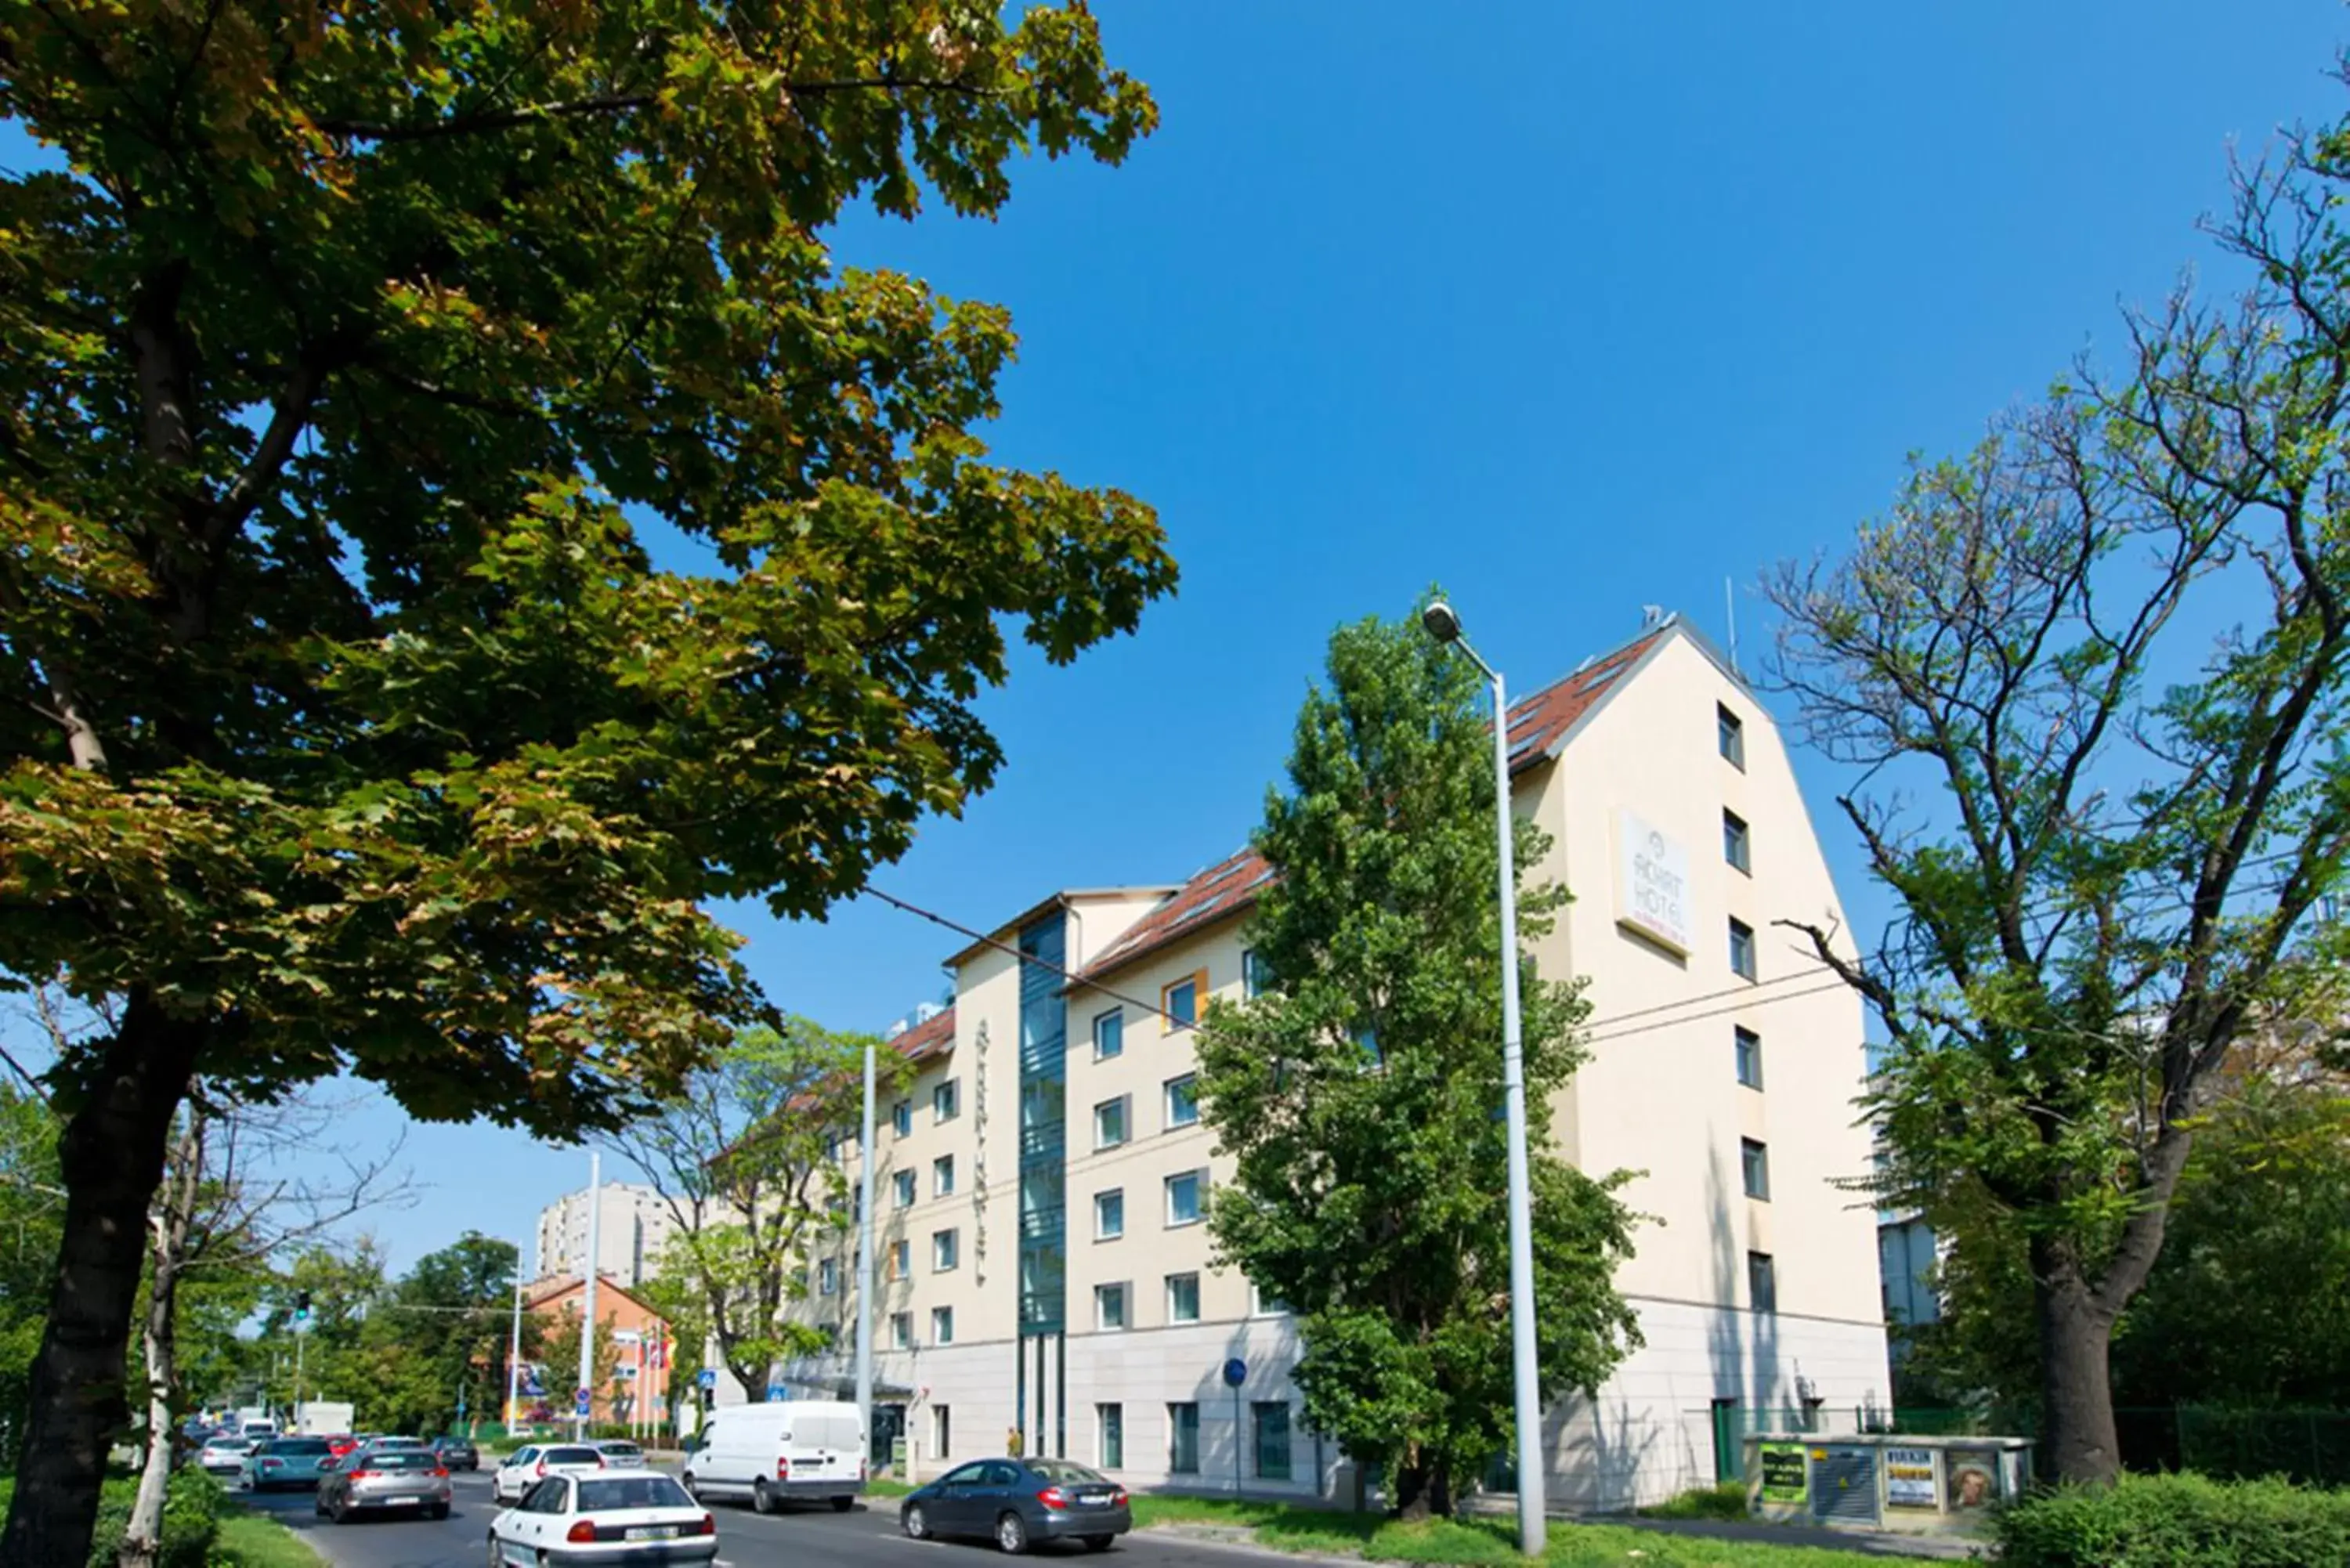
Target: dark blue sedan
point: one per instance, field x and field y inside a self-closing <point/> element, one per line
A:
<point x="1016" y="1501"/>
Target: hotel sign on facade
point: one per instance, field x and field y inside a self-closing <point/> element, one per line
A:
<point x="1652" y="882"/>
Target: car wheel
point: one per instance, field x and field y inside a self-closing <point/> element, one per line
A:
<point x="915" y="1522"/>
<point x="762" y="1500"/>
<point x="1012" y="1533"/>
<point x="1099" y="1542"/>
<point x="843" y="1504"/>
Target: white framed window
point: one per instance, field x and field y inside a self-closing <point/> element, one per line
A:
<point x="1755" y="1168"/>
<point x="1183" y="1298"/>
<point x="1730" y="736"/>
<point x="1183" y="1438"/>
<point x="1109" y="1214"/>
<point x="901" y="1258"/>
<point x="1263" y="1305"/>
<point x="942" y="1176"/>
<point x="943" y="1326"/>
<point x="1187" y="1195"/>
<point x="1109" y="1306"/>
<point x="1178" y="1000"/>
<point x="946" y="1248"/>
<point x="828" y="1277"/>
<point x="1750" y="1057"/>
<point x="946" y="1100"/>
<point x="1736" y="846"/>
<point x="901" y="1118"/>
<point x="1761" y="1282"/>
<point x="1256" y="975"/>
<point x="1182" y="1107"/>
<point x="1741" y="948"/>
<point x="1109" y="1427"/>
<point x="901" y="1331"/>
<point x="901" y="1188"/>
<point x="1109" y="1034"/>
<point x="1109" y="1123"/>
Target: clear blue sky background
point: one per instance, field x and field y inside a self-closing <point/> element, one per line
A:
<point x="1574" y="308"/>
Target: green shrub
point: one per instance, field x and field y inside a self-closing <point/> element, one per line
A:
<point x="2177" y="1521"/>
<point x="1723" y="1500"/>
<point x="191" y="1519"/>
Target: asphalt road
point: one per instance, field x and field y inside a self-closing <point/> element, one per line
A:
<point x="866" y="1537"/>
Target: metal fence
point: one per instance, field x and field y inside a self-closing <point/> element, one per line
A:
<point x="2310" y="1446"/>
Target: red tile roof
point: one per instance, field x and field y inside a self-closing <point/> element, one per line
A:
<point x="931" y="1037"/>
<point x="1537" y="724"/>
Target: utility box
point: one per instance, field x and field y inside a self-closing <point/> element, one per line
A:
<point x="1883" y="1481"/>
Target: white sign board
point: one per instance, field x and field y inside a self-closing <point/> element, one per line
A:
<point x="1909" y="1477"/>
<point x="1652" y="882"/>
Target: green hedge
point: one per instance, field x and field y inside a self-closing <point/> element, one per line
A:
<point x="191" y="1519"/>
<point x="2177" y="1521"/>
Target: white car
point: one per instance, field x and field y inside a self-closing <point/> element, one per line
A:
<point x="533" y="1463"/>
<point x="636" y="1517"/>
<point x="223" y="1455"/>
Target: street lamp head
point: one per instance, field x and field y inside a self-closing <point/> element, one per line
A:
<point x="1442" y="624"/>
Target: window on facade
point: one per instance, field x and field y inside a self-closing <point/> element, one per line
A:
<point x="901" y="1331"/>
<point x="901" y="1258"/>
<point x="1729" y="734"/>
<point x="1182" y="1298"/>
<point x="1269" y="1422"/>
<point x="1182" y="1102"/>
<point x="1183" y="1195"/>
<point x="901" y="1118"/>
<point x="1183" y="1438"/>
<point x="1742" y="948"/>
<point x="1109" y="1214"/>
<point x="901" y="1188"/>
<point x="828" y="1277"/>
<point x="946" y="1250"/>
<point x="1109" y="1034"/>
<point x="1733" y="841"/>
<point x="942" y="1176"/>
<point x="1179" y="1000"/>
<point x="1256" y="975"/>
<point x="1109" y="1123"/>
<point x="1750" y="1057"/>
<point x="946" y="1100"/>
<point x="1109" y="1306"/>
<point x="1754" y="1165"/>
<point x="942" y="1431"/>
<point x="1263" y="1305"/>
<point x="1761" y="1282"/>
<point x="1110" y="1423"/>
<point x="943" y="1326"/>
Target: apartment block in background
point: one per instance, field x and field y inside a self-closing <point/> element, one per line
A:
<point x="630" y="1229"/>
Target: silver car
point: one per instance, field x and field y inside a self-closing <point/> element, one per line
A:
<point x="399" y="1480"/>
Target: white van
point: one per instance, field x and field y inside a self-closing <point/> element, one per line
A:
<point x="789" y="1450"/>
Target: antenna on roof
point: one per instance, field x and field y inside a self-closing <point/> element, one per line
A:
<point x="1730" y="603"/>
<point x="1651" y="616"/>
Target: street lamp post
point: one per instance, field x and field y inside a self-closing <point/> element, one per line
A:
<point x="1444" y="626"/>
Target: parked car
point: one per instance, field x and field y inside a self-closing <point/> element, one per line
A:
<point x="618" y="1453"/>
<point x="791" y="1450"/>
<point x="398" y="1481"/>
<point x="534" y="1462"/>
<point x="637" y="1517"/>
<point x="341" y="1443"/>
<point x="222" y="1455"/>
<point x="283" y="1461"/>
<point x="384" y="1440"/>
<point x="458" y="1453"/>
<point x="1017" y="1501"/>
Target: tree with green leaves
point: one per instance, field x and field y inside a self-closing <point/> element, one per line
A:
<point x="743" y="1158"/>
<point x="445" y="1326"/>
<point x="2140" y="818"/>
<point x="357" y="363"/>
<point x="1361" y="1094"/>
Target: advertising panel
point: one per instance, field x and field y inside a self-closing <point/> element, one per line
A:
<point x="1652" y="882"/>
<point x="1786" y="1472"/>
<point x="1974" y="1478"/>
<point x="1909" y="1479"/>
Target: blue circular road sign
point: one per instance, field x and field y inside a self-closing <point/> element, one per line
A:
<point x="1235" y="1373"/>
<point x="579" y="1400"/>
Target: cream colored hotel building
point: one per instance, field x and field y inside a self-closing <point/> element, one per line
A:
<point x="1040" y="1261"/>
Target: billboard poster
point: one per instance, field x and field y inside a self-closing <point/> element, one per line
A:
<point x="1785" y="1472"/>
<point x="1974" y="1480"/>
<point x="1909" y="1479"/>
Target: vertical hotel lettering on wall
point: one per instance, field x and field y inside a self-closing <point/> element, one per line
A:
<point x="979" y="1154"/>
<point x="1652" y="883"/>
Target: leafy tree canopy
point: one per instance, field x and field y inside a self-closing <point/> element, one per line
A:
<point x="1361" y="1094"/>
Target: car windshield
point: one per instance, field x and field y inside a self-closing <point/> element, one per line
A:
<point x="573" y="1456"/>
<point x="399" y="1461"/>
<point x="1063" y="1471"/>
<point x="632" y="1491"/>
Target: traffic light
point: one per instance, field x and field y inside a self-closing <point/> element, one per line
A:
<point x="301" y="1306"/>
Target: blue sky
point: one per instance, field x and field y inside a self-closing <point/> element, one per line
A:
<point x="1573" y="308"/>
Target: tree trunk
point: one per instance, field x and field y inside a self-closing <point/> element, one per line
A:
<point x="144" y="1539"/>
<point x="1413" y="1486"/>
<point x="2075" y="1370"/>
<point x="111" y="1153"/>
